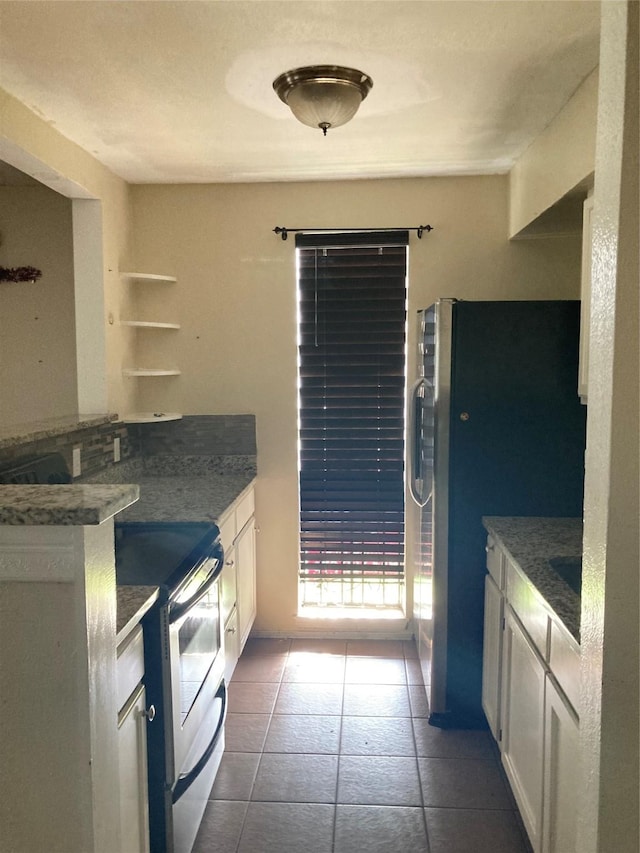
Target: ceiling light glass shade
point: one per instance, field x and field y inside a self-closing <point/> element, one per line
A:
<point x="323" y="96"/>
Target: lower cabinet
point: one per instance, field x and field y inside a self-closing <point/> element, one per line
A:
<point x="231" y="644"/>
<point x="132" y="745"/>
<point x="246" y="579"/>
<point x="238" y="581"/>
<point x="492" y="654"/>
<point x="561" y="756"/>
<point x="132" y="759"/>
<point x="530" y="687"/>
<point x="523" y="712"/>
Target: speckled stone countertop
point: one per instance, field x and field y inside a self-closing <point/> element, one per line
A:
<point x="181" y="488"/>
<point x="13" y="436"/>
<point x="530" y="543"/>
<point x="133" y="603"/>
<point x="66" y="505"/>
<point x="170" y="498"/>
<point x="204" y="498"/>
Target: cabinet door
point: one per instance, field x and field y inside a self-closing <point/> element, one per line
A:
<point x="561" y="757"/>
<point x="492" y="654"/>
<point x="523" y="687"/>
<point x="245" y="548"/>
<point x="228" y="585"/>
<point x="231" y="645"/>
<point x="132" y="760"/>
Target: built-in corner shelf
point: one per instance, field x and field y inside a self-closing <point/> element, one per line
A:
<point x="150" y="371"/>
<point x="147" y="276"/>
<point x="151" y="417"/>
<point x="148" y="324"/>
<point x="157" y="416"/>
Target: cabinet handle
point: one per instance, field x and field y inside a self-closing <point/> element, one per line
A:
<point x="230" y="563"/>
<point x="150" y="713"/>
<point x="488" y="548"/>
<point x="231" y="630"/>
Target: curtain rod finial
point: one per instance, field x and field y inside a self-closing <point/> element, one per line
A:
<point x="281" y="231"/>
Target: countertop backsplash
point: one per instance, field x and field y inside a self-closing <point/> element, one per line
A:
<point x="95" y="438"/>
<point x="195" y="445"/>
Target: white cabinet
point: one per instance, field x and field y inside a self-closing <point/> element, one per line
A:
<point x="132" y="759"/>
<point x="585" y="299"/>
<point x="132" y="745"/>
<point x="530" y="690"/>
<point x="561" y="757"/>
<point x="492" y="654"/>
<point x="246" y="575"/>
<point x="231" y="644"/>
<point x="145" y="349"/>
<point x="238" y="581"/>
<point x="523" y="709"/>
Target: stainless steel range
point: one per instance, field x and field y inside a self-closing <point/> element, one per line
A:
<point x="184" y="668"/>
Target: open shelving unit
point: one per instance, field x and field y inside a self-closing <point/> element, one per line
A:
<point x="139" y="371"/>
<point x="151" y="371"/>
<point x="151" y="417"/>
<point x="148" y="324"/>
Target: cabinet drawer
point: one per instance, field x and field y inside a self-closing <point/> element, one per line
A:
<point x="130" y="665"/>
<point x="244" y="511"/>
<point x="564" y="662"/>
<point x="528" y="608"/>
<point x="495" y="561"/>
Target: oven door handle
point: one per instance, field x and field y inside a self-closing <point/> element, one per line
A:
<point x="177" y="610"/>
<point x="185" y="780"/>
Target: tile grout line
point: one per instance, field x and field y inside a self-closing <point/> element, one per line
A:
<point x="415" y="721"/>
<point x="253" y="784"/>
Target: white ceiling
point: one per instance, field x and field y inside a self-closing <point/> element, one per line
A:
<point x="168" y="92"/>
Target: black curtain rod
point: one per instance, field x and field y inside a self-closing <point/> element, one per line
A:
<point x="284" y="232"/>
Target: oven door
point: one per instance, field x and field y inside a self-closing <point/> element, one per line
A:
<point x="193" y="785"/>
<point x="196" y="654"/>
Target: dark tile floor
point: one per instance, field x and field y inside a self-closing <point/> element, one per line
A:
<point x="328" y="750"/>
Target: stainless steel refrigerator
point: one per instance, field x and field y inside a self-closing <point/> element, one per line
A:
<point x="497" y="429"/>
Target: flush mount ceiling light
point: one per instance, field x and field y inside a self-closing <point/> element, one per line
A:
<point x="323" y="96"/>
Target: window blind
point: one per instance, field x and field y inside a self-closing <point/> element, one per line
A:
<point x="352" y="316"/>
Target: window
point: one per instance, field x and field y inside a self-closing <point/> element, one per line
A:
<point x="352" y="366"/>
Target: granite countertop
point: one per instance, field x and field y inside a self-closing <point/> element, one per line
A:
<point x="203" y="498"/>
<point x="64" y="505"/>
<point x="203" y="491"/>
<point x="17" y="434"/>
<point x="132" y="603"/>
<point x="530" y="543"/>
<point x="174" y="498"/>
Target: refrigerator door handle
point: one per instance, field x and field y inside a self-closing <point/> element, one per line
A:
<point x="416" y="482"/>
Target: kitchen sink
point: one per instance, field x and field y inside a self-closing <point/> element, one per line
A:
<point x="570" y="570"/>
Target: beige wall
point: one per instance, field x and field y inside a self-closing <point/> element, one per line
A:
<point x="37" y="327"/>
<point x="237" y="305"/>
<point x="557" y="161"/>
<point x="35" y="147"/>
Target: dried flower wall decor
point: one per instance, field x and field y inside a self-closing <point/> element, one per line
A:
<point x="19" y="274"/>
